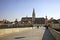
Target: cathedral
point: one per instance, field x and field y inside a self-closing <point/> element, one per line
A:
<point x="33" y="19"/>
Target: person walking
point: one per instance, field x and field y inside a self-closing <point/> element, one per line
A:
<point x="37" y="27"/>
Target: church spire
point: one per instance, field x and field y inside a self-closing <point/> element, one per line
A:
<point x="33" y="16"/>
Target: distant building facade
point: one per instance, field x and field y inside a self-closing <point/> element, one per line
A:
<point x="33" y="19"/>
<point x="1" y="22"/>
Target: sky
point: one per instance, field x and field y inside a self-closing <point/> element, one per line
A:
<point x="16" y="9"/>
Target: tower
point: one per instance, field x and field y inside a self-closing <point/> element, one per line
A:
<point x="46" y="21"/>
<point x="33" y="16"/>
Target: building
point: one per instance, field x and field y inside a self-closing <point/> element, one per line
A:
<point x="1" y="22"/>
<point x="33" y="19"/>
<point x="54" y="21"/>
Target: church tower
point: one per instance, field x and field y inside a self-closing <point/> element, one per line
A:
<point x="33" y="16"/>
<point x="46" y="21"/>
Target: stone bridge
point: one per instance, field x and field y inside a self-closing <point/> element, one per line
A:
<point x="40" y="33"/>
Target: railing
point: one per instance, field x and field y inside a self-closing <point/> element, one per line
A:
<point x="55" y="33"/>
<point x="14" y="26"/>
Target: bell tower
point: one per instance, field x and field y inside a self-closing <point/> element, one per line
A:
<point x="33" y="16"/>
<point x="46" y="21"/>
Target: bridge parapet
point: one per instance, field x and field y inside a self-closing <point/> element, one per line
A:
<point x="55" y="33"/>
<point x="8" y="31"/>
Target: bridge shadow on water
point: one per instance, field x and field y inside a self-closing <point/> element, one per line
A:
<point x="47" y="35"/>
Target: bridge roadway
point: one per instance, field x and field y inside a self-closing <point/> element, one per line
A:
<point x="31" y="34"/>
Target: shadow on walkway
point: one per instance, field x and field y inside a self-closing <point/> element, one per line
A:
<point x="47" y="35"/>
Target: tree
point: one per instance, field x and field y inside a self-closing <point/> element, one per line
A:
<point x="16" y="21"/>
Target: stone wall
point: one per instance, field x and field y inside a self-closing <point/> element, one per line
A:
<point x="55" y="33"/>
<point x="56" y="26"/>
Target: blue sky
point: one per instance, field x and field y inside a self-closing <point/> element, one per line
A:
<point x="12" y="9"/>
